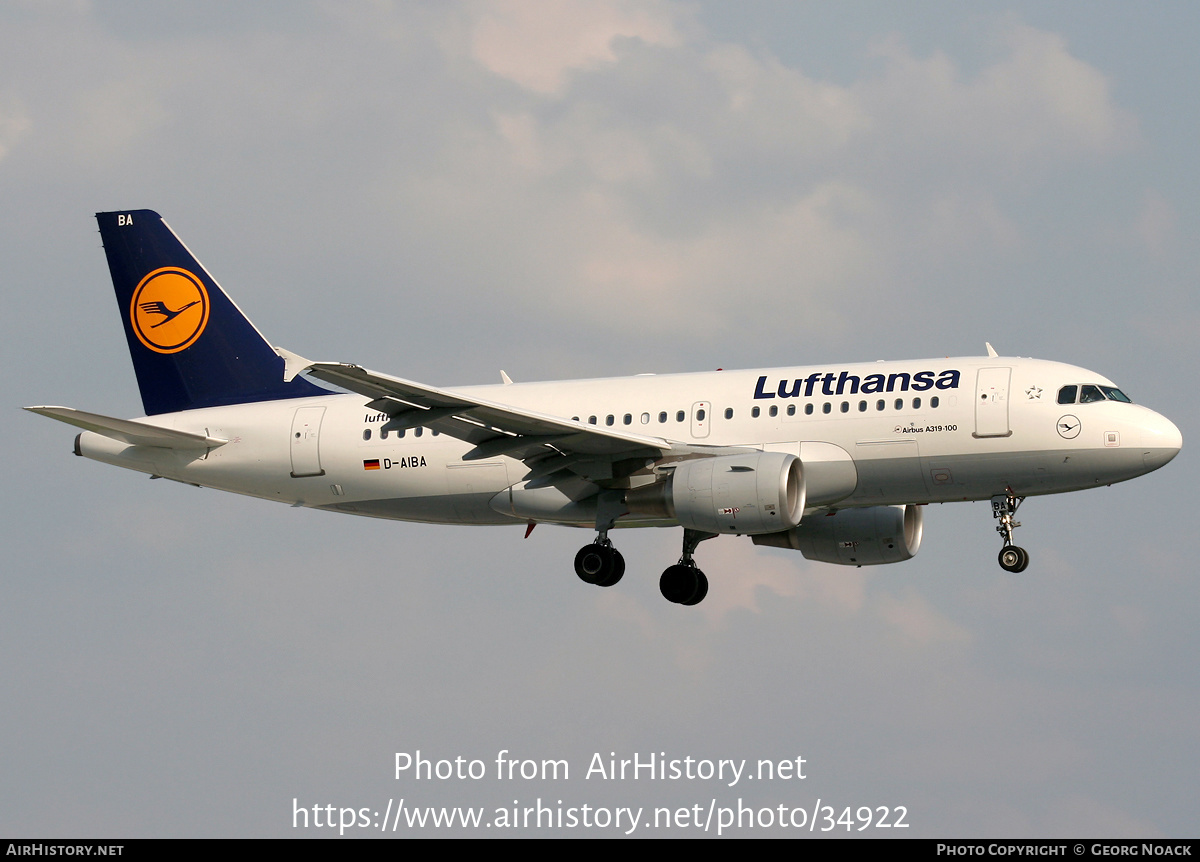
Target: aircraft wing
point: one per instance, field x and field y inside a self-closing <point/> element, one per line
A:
<point x="546" y="443"/>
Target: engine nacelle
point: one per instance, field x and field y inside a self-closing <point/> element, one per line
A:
<point x="760" y="492"/>
<point x="855" y="537"/>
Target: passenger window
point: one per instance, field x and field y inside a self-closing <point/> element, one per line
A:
<point x="728" y="412"/>
<point x="436" y="432"/>
<point x="879" y="405"/>
<point x="680" y="416"/>
<point x="700" y="414"/>
<point x="862" y="406"/>
<point x="934" y="401"/>
<point x="367" y="434"/>
<point x="417" y="431"/>
<point x="916" y="404"/>
<point x="591" y="420"/>
<point x="826" y="407"/>
<point x="645" y="418"/>
<point x="1066" y="395"/>
<point x="1090" y="394"/>
<point x="662" y="417"/>
<point x="899" y="403"/>
<point x="845" y="406"/>
<point x="383" y="432"/>
<point x="808" y="408"/>
<point x="755" y="412"/>
<point x="791" y="410"/>
<point x="774" y="411"/>
<point x="608" y="420"/>
<point x="628" y="418"/>
<point x="400" y="433"/>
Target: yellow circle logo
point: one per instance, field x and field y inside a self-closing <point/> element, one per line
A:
<point x="169" y="310"/>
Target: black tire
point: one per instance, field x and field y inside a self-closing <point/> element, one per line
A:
<point x="683" y="585"/>
<point x="1013" y="559"/>
<point x="592" y="563"/>
<point x="598" y="564"/>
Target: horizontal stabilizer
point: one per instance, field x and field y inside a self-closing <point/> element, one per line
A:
<point x="126" y="431"/>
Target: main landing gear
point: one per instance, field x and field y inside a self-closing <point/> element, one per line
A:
<point x="1004" y="506"/>
<point x="684" y="583"/>
<point x="600" y="563"/>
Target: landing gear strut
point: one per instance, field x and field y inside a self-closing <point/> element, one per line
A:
<point x="684" y="583"/>
<point x="1004" y="506"/>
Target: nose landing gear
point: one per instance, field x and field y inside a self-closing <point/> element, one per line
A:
<point x="1004" y="506"/>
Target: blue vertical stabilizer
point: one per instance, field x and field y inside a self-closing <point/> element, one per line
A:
<point x="191" y="346"/>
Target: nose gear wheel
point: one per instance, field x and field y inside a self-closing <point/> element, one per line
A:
<point x="1004" y="507"/>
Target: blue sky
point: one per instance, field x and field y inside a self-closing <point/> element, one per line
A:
<point x="585" y="189"/>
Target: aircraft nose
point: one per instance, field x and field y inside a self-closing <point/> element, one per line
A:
<point x="1162" y="442"/>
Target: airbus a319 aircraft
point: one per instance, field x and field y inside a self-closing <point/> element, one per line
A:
<point x="833" y="461"/>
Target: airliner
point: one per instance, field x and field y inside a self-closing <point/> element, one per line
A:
<point x="834" y="461"/>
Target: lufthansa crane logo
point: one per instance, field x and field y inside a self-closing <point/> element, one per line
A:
<point x="1068" y="427"/>
<point x="169" y="310"/>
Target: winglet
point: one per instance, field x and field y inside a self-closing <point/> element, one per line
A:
<point x="293" y="364"/>
<point x="991" y="350"/>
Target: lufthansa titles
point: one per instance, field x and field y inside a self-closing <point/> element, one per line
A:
<point x="845" y="383"/>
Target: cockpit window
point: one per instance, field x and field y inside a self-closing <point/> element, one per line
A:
<point x="1091" y="394"/>
<point x="1114" y="394"/>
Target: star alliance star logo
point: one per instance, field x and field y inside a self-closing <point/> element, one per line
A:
<point x="1034" y="393"/>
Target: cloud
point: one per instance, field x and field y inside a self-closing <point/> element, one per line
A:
<point x="737" y="183"/>
<point x="918" y="621"/>
<point x="1035" y="105"/>
<point x="537" y="45"/>
<point x="639" y="163"/>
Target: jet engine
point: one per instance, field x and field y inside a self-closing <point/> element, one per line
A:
<point x="760" y="492"/>
<point x="855" y="537"/>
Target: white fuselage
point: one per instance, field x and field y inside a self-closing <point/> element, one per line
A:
<point x="887" y="433"/>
